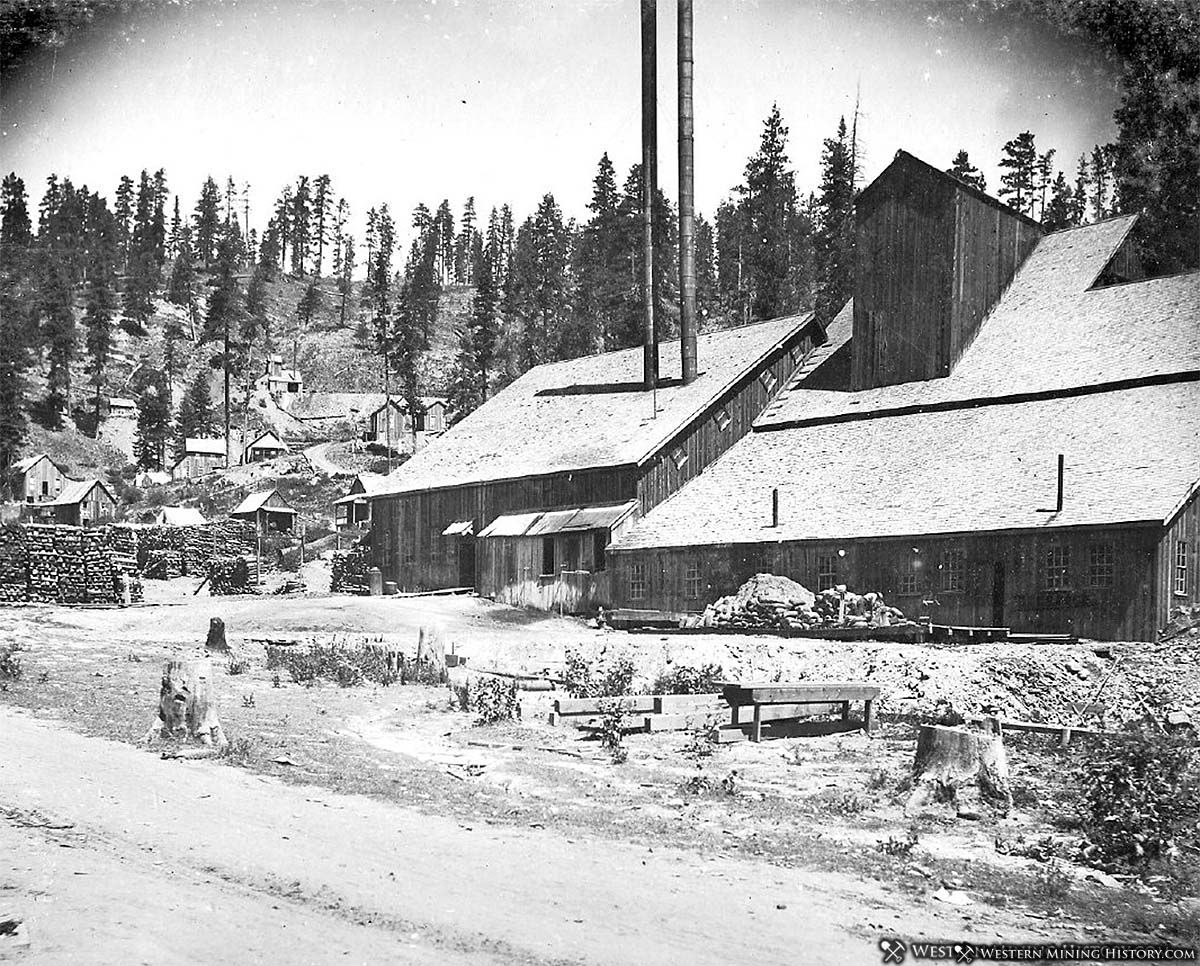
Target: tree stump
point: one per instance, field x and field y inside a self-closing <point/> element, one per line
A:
<point x="216" y="636"/>
<point x="959" y="767"/>
<point x="431" y="655"/>
<point x="186" y="709"/>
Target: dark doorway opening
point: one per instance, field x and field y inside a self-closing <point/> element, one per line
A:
<point x="998" y="594"/>
<point x="466" y="561"/>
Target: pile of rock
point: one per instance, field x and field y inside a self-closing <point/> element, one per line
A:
<point x="771" y="601"/>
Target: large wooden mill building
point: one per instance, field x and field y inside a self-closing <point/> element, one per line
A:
<point x="1015" y="440"/>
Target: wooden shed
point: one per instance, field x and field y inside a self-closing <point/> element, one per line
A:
<point x="354" y="509"/>
<point x="265" y="446"/>
<point x="556" y="560"/>
<point x="199" y="458"/>
<point x="81" y="503"/>
<point x="37" y="479"/>
<point x="393" y="417"/>
<point x="268" y="511"/>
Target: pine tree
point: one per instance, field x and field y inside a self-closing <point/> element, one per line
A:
<point x="322" y="204"/>
<point x="769" y="199"/>
<point x="283" y="225"/>
<point x="346" y="273"/>
<point x="833" y="243"/>
<point x="123" y="210"/>
<point x="1083" y="187"/>
<point x="601" y="265"/>
<point x="706" y="271"/>
<point x="57" y="256"/>
<point x="1020" y="166"/>
<point x="1059" y="211"/>
<point x="207" y="221"/>
<point x="732" y="286"/>
<point x="223" y="321"/>
<point x="301" y="225"/>
<point x="175" y="235"/>
<point x="1045" y="178"/>
<point x="443" y="242"/>
<point x="100" y="297"/>
<point x="540" y="287"/>
<point x="422" y="277"/>
<point x="477" y="341"/>
<point x="158" y="221"/>
<point x="965" y="171"/>
<point x="143" y="267"/>
<point x="16" y="320"/>
<point x="1101" y="183"/>
<point x="181" y="291"/>
<point x="153" y="396"/>
<point x="196" y="419"/>
<point x="464" y="246"/>
<point x="341" y="215"/>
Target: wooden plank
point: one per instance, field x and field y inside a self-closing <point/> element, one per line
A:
<point x="1042" y="728"/>
<point x="674" y="703"/>
<point x="686" y="722"/>
<point x="630" y="703"/>
<point x="796" y="694"/>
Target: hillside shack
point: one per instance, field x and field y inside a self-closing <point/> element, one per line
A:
<point x="82" y="503"/>
<point x="37" y="479"/>
<point x="199" y="458"/>
<point x="268" y="511"/>
<point x="266" y="446"/>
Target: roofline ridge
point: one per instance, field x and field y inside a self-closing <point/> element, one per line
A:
<point x="1135" y="215"/>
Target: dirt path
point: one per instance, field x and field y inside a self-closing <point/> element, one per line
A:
<point x="321" y="462"/>
<point x="111" y="854"/>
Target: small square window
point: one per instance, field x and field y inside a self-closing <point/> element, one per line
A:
<point x="691" y="582"/>
<point x="679" y="457"/>
<point x="953" y="570"/>
<point x="1101" y="565"/>
<point x="722" y="419"/>
<point x="768" y="380"/>
<point x="826" y="571"/>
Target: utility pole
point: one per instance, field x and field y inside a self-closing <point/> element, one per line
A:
<point x="687" y="198"/>
<point x="649" y="180"/>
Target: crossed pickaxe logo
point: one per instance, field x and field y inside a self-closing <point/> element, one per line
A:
<point x="893" y="950"/>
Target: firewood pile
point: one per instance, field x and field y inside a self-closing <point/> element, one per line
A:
<point x="49" y="563"/>
<point x="770" y="601"/>
<point x="193" y="546"/>
<point x="349" y="571"/>
<point x="232" y="575"/>
<point x="162" y="564"/>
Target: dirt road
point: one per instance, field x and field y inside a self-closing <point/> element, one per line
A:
<point x="113" y="855"/>
<point x="318" y="456"/>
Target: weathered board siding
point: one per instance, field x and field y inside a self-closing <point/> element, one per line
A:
<point x="96" y="507"/>
<point x="195" y="465"/>
<point x="1184" y="530"/>
<point x="1003" y="577"/>
<point x="932" y="257"/>
<point x="407" y="543"/>
<point x="43" y="481"/>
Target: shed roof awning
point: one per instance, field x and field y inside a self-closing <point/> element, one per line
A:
<point x="352" y="498"/>
<point x="510" y="525"/>
<point x="460" y="528"/>
<point x="558" y="521"/>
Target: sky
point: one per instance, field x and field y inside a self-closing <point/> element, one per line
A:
<point x="415" y="101"/>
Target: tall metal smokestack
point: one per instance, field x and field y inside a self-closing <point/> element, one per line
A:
<point x="649" y="180"/>
<point x="687" y="198"/>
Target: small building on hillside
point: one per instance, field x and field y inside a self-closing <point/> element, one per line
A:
<point x="1020" y="447"/>
<point x="268" y="511"/>
<point x="37" y="479"/>
<point x="557" y="560"/>
<point x="583" y="435"/>
<point x="178" y="516"/>
<point x="81" y="503"/>
<point x="199" y="458"/>
<point x="391" y="420"/>
<point x="354" y="509"/>
<point x="280" y="381"/>
<point x="116" y="407"/>
<point x="264" y="447"/>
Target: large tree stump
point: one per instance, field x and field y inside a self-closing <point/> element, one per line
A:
<point x="186" y="710"/>
<point x="959" y="767"/>
<point x="431" y="655"/>
<point x="216" y="636"/>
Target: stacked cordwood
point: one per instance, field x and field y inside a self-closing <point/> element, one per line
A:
<point x="770" y="601"/>
<point x="232" y="575"/>
<point x="349" y="571"/>
<point x="61" y="564"/>
<point x="165" y="552"/>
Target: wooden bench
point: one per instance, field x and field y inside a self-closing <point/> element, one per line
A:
<point x="772" y="701"/>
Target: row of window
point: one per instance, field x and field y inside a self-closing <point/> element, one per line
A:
<point x="1055" y="572"/>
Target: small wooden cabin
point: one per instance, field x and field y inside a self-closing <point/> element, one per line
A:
<point x="557" y="560"/>
<point x="264" y="447"/>
<point x="393" y="417"/>
<point x="37" y="479"/>
<point x="82" y="503"/>
<point x="199" y="458"/>
<point x="268" y="511"/>
<point x="354" y="509"/>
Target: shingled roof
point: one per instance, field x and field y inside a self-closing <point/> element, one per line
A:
<point x="1049" y="332"/>
<point x="587" y="412"/>
<point x="1132" y="455"/>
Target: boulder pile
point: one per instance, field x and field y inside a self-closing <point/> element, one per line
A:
<point x="771" y="601"/>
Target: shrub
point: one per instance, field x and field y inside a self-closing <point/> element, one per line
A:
<point x="336" y="661"/>
<point x="1141" y="800"/>
<point x="680" y="679"/>
<point x="10" y="664"/>
<point x="612" y="731"/>
<point x="237" y="665"/>
<point x="582" y="681"/>
<point x="493" y="700"/>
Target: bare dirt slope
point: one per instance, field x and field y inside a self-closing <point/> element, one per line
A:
<point x="119" y="856"/>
